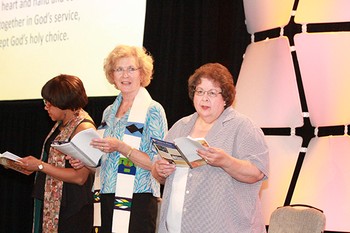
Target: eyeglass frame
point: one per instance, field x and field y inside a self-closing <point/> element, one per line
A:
<point x="130" y="70"/>
<point x="47" y="103"/>
<point x="212" y="93"/>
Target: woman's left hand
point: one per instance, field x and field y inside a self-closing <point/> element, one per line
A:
<point x="241" y="170"/>
<point x="213" y="156"/>
<point x="75" y="163"/>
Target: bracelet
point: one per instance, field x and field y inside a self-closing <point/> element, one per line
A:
<point x="129" y="152"/>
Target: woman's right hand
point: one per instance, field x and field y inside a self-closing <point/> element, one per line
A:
<point x="161" y="169"/>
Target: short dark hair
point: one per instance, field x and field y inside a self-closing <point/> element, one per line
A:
<point x="220" y="75"/>
<point x="65" y="92"/>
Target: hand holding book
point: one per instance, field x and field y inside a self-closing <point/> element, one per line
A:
<point x="183" y="152"/>
<point x="79" y="147"/>
<point x="12" y="161"/>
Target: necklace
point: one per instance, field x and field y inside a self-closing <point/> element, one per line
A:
<point x="74" y="115"/>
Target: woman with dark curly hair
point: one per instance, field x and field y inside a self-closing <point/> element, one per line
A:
<point x="223" y="195"/>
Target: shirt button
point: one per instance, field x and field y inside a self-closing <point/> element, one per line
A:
<point x="187" y="192"/>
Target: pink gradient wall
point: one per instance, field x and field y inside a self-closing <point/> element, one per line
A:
<point x="301" y="82"/>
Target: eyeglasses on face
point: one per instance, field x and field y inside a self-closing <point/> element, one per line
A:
<point x="47" y="103"/>
<point x="211" y="93"/>
<point x="129" y="70"/>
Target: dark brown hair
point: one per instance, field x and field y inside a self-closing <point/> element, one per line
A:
<point x="65" y="92"/>
<point x="218" y="74"/>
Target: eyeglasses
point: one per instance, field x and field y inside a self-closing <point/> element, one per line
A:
<point x="47" y="103"/>
<point x="130" y="70"/>
<point x="211" y="93"/>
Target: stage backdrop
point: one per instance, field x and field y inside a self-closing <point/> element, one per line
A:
<point x="292" y="82"/>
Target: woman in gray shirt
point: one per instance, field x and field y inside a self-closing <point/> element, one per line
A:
<point x="223" y="195"/>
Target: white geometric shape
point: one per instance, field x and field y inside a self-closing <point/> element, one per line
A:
<point x="263" y="15"/>
<point x="267" y="91"/>
<point x="324" y="180"/>
<point x="283" y="152"/>
<point x="322" y="11"/>
<point x="324" y="66"/>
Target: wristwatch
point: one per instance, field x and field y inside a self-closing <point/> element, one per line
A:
<point x="41" y="166"/>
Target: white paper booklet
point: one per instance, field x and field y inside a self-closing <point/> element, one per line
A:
<point x="79" y="147"/>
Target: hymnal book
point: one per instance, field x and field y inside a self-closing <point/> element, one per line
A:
<point x="9" y="160"/>
<point x="183" y="152"/>
<point x="79" y="147"/>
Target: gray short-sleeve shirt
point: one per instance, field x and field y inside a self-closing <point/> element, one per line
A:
<point x="214" y="201"/>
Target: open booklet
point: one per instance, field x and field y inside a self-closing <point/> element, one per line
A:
<point x="79" y="147"/>
<point x="9" y="160"/>
<point x="183" y="152"/>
